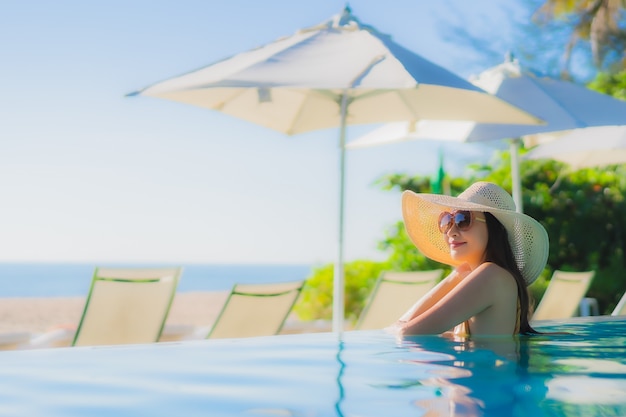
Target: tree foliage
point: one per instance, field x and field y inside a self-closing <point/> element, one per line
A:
<point x="585" y="216"/>
<point x="600" y="24"/>
<point x="569" y="39"/>
<point x="611" y="84"/>
<point x="316" y="301"/>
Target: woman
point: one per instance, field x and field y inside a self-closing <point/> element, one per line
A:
<point x="496" y="251"/>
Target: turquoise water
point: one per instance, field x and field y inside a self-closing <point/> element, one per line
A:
<point x="67" y="280"/>
<point x="365" y="373"/>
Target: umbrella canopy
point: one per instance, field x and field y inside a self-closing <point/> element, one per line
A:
<point x="562" y="105"/>
<point x="337" y="73"/>
<point x="456" y="131"/>
<point x="585" y="148"/>
<point x="296" y="84"/>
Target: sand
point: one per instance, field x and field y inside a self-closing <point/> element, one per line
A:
<point x="39" y="315"/>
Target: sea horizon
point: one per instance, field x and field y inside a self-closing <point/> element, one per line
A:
<point x="72" y="279"/>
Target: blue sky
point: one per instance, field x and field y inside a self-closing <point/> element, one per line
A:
<point x="89" y="175"/>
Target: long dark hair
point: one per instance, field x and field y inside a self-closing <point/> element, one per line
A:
<point x="500" y="253"/>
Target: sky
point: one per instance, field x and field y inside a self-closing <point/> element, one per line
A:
<point x="90" y="175"/>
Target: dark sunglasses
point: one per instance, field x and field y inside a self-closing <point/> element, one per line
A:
<point x="462" y="219"/>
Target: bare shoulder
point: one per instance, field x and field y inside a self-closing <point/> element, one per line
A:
<point x="491" y="274"/>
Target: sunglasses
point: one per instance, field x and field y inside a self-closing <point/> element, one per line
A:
<point x="462" y="219"/>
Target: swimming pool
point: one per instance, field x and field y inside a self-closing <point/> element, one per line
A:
<point x="366" y="373"/>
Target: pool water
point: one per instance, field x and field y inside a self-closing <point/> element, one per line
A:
<point x="363" y="373"/>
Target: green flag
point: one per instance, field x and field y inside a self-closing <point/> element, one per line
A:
<point x="439" y="177"/>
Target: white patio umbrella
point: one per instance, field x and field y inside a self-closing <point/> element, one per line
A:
<point x="334" y="74"/>
<point x="585" y="148"/>
<point x="563" y="105"/>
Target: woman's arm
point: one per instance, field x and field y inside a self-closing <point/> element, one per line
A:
<point x="468" y="297"/>
<point x="436" y="293"/>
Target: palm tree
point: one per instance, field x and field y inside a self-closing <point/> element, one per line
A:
<point x="602" y="23"/>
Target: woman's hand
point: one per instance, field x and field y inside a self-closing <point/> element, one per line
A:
<point x="395" y="328"/>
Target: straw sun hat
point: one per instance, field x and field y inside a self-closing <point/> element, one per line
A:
<point x="527" y="237"/>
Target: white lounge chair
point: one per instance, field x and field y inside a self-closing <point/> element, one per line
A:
<point x="127" y="305"/>
<point x="620" y="308"/>
<point x="562" y="298"/>
<point x="255" y="310"/>
<point x="124" y="306"/>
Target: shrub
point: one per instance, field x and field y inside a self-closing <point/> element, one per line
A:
<point x="316" y="300"/>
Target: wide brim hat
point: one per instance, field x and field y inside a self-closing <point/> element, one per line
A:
<point x="527" y="237"/>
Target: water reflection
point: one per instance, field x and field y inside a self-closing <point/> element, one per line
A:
<point x="581" y="373"/>
<point x="481" y="376"/>
<point x="342" y="367"/>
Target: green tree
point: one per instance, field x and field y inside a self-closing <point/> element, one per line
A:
<point x="611" y="84"/>
<point x="316" y="300"/>
<point x="570" y="39"/>
<point x="584" y="213"/>
<point x="600" y="24"/>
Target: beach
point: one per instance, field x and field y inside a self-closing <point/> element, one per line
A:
<point x="41" y="314"/>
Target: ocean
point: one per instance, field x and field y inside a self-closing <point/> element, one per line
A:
<point x="69" y="280"/>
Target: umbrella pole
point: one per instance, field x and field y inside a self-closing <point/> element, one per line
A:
<point x="338" y="279"/>
<point x="515" y="175"/>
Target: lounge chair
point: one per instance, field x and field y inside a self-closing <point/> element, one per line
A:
<point x="393" y="295"/>
<point x="620" y="308"/>
<point x="127" y="305"/>
<point x="255" y="310"/>
<point x="563" y="296"/>
<point x="124" y="306"/>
